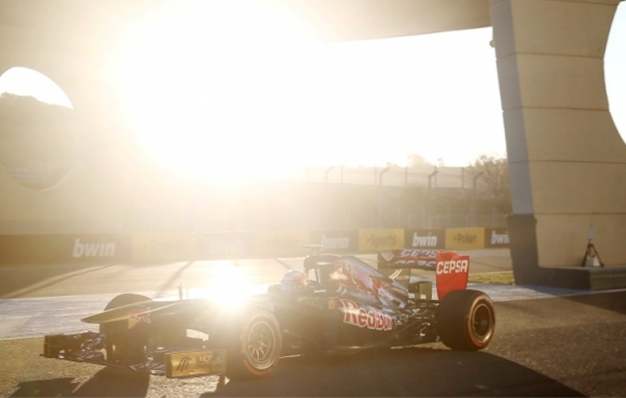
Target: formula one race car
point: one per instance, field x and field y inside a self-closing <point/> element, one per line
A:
<point x="338" y="304"/>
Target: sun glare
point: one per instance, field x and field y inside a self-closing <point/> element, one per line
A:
<point x="229" y="286"/>
<point x="202" y="79"/>
<point x="239" y="91"/>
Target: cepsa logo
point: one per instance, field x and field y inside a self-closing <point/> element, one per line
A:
<point x="452" y="267"/>
<point x="415" y="257"/>
<point x="418" y="253"/>
<point x="365" y="318"/>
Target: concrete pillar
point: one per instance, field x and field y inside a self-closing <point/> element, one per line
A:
<point x="94" y="196"/>
<point x="567" y="160"/>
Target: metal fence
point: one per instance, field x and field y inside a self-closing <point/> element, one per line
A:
<point x="416" y="221"/>
<point x="444" y="177"/>
<point x="333" y="198"/>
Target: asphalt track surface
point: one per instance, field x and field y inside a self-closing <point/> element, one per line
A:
<point x="59" y="280"/>
<point x="548" y="342"/>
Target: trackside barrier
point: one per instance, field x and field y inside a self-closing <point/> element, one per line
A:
<point x="281" y="243"/>
<point x="373" y="240"/>
<point x="164" y="247"/>
<point x="425" y="238"/>
<point x="337" y="241"/>
<point x="64" y="249"/>
<point x="225" y="245"/>
<point x="120" y="248"/>
<point x="496" y="237"/>
<point x="465" y="238"/>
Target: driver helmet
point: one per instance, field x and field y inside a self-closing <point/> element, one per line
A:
<point x="294" y="280"/>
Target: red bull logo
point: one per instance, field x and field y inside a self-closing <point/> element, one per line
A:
<point x="365" y="318"/>
<point x="140" y="315"/>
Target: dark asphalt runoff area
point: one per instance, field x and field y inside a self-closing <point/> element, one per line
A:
<point x="558" y="346"/>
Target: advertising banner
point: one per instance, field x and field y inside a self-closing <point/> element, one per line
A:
<point x="281" y="243"/>
<point x="226" y="245"/>
<point x="373" y="240"/>
<point x="336" y="241"/>
<point x="496" y="237"/>
<point x="64" y="249"/>
<point x="164" y="247"/>
<point x="425" y="238"/>
<point x="465" y="238"/>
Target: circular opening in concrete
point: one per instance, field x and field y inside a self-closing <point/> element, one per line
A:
<point x="39" y="136"/>
<point x="615" y="70"/>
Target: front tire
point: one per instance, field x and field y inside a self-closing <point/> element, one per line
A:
<point x="466" y="320"/>
<point x="253" y="346"/>
<point x="122" y="343"/>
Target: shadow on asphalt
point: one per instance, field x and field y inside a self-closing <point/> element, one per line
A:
<point x="126" y="384"/>
<point x="612" y="301"/>
<point x="15" y="283"/>
<point x="412" y="372"/>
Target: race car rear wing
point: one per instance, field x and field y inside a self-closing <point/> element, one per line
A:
<point x="451" y="269"/>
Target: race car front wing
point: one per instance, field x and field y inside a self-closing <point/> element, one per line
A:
<point x="89" y="347"/>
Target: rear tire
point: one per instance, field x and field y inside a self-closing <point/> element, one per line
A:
<point x="253" y="344"/>
<point x="466" y="320"/>
<point x="123" y="343"/>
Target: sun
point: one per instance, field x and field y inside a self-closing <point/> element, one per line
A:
<point x="203" y="81"/>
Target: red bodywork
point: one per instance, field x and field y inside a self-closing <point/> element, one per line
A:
<point x="451" y="269"/>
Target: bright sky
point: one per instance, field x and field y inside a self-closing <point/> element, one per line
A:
<point x="225" y="99"/>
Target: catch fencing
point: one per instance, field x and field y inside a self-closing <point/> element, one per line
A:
<point x="427" y="176"/>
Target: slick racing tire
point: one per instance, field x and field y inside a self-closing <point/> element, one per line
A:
<point x="466" y="320"/>
<point x="122" y="343"/>
<point x="253" y="343"/>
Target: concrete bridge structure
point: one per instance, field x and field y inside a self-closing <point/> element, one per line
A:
<point x="567" y="160"/>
